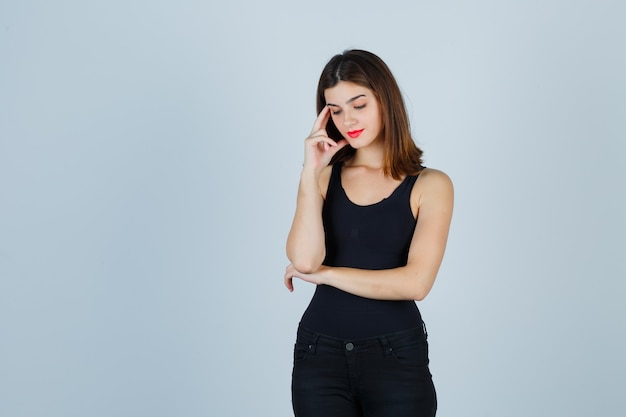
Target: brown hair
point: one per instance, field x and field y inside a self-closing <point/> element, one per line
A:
<point x="402" y="156"/>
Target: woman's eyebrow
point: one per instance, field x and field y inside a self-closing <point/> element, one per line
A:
<point x="347" y="102"/>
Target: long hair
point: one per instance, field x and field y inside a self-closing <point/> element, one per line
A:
<point x="401" y="155"/>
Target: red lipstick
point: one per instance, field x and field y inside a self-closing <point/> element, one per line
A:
<point x="355" y="133"/>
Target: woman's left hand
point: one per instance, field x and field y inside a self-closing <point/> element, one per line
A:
<point x="291" y="272"/>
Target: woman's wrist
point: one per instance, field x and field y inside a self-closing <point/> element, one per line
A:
<point x="310" y="173"/>
<point x="309" y="181"/>
<point x="323" y="275"/>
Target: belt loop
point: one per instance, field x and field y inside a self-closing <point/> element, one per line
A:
<point x="384" y="343"/>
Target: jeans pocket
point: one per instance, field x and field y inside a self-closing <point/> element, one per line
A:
<point x="413" y="355"/>
<point x="301" y="351"/>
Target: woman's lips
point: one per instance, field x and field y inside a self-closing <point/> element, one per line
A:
<point x="355" y="133"/>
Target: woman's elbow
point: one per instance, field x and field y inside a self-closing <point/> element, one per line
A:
<point x="306" y="266"/>
<point x="306" y="263"/>
<point x="419" y="295"/>
<point x="421" y="288"/>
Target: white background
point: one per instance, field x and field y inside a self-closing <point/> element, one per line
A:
<point x="149" y="159"/>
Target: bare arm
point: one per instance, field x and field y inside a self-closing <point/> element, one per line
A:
<point x="305" y="243"/>
<point x="434" y="197"/>
<point x="306" y="247"/>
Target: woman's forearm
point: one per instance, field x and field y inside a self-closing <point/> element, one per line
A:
<point x="402" y="283"/>
<point x="305" y="243"/>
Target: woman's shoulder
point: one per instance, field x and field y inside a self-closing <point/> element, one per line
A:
<point x="432" y="182"/>
<point x="432" y="175"/>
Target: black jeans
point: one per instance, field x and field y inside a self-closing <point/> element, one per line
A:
<point x="385" y="376"/>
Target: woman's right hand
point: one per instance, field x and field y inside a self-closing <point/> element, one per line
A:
<point x="318" y="147"/>
<point x="306" y="247"/>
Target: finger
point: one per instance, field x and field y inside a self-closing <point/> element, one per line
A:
<point x="318" y="138"/>
<point x="289" y="284"/>
<point x="323" y="145"/>
<point x="329" y="145"/>
<point x="338" y="145"/>
<point x="322" y="120"/>
<point x="288" y="279"/>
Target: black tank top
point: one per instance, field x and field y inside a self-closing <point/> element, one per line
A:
<point x="375" y="236"/>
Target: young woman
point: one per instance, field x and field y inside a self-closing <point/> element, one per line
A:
<point x="370" y="230"/>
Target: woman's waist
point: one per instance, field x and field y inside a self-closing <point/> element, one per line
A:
<point x="336" y="313"/>
<point x="306" y="336"/>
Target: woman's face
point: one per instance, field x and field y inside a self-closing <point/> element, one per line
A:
<point x="356" y="113"/>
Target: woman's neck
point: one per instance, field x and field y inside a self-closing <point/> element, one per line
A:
<point x="370" y="157"/>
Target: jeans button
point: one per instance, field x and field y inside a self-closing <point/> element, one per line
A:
<point x="349" y="346"/>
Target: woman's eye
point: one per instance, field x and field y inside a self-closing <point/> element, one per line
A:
<point x="336" y="112"/>
<point x="362" y="106"/>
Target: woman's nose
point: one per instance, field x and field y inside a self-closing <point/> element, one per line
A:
<point x="349" y="121"/>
